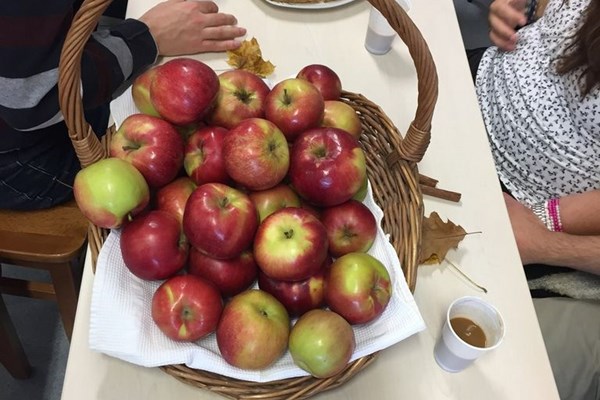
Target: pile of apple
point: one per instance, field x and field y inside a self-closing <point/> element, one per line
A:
<point x="221" y="184"/>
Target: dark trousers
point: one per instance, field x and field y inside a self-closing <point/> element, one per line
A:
<point x="37" y="169"/>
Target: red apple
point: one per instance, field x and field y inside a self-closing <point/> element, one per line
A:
<point x="152" y="145"/>
<point x="256" y="154"/>
<point x="203" y="160"/>
<point x="253" y="331"/>
<point x="270" y="200"/>
<point x="324" y="78"/>
<point x="230" y="276"/>
<point x="242" y="95"/>
<point x="359" y="287"/>
<point x="351" y="227"/>
<point x="290" y="244"/>
<point x="322" y="343"/>
<point x="300" y="296"/>
<point x="109" y="191"/>
<point x="341" y="115"/>
<point x="186" y="308"/>
<point x="184" y="90"/>
<point x="327" y="166"/>
<point x="174" y="195"/>
<point x="140" y="91"/>
<point x="220" y="221"/>
<point x="153" y="246"/>
<point x="294" y="105"/>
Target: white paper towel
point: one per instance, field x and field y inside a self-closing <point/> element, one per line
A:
<point x="121" y="324"/>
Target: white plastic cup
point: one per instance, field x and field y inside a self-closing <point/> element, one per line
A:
<point x="452" y="353"/>
<point x="380" y="35"/>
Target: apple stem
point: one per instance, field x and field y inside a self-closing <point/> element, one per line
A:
<point x="243" y="96"/>
<point x="129" y="148"/>
<point x="287" y="99"/>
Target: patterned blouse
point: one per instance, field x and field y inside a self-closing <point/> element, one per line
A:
<point x="545" y="138"/>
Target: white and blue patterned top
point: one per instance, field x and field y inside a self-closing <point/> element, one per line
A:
<point x="545" y="138"/>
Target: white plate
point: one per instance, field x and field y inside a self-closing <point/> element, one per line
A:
<point x="310" y="6"/>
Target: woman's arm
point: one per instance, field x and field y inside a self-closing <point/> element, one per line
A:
<point x="577" y="247"/>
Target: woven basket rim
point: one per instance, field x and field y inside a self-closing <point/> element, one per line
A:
<point x="394" y="160"/>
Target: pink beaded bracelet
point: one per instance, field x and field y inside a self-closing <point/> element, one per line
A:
<point x="554" y="211"/>
<point x="549" y="213"/>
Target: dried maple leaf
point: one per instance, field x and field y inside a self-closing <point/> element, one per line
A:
<point x="438" y="238"/>
<point x="249" y="57"/>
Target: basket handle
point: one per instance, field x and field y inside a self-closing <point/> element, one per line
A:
<point x="87" y="145"/>
<point x="418" y="135"/>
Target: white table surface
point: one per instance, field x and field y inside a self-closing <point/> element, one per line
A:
<point x="458" y="157"/>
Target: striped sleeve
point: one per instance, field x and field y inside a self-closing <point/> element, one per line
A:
<point x="29" y="62"/>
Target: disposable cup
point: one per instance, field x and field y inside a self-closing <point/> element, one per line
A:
<point x="459" y="346"/>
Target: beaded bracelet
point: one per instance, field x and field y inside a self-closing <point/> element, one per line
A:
<point x="549" y="213"/>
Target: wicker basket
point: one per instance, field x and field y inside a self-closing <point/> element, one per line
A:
<point x="392" y="168"/>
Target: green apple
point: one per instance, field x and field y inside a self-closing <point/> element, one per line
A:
<point x="109" y="191"/>
<point x="140" y="91"/>
<point x="321" y="343"/>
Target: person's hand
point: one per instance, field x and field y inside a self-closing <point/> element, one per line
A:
<point x="530" y="232"/>
<point x="504" y="18"/>
<point x="182" y="27"/>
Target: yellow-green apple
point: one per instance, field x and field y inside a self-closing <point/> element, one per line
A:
<point x="253" y="331"/>
<point x="256" y="154"/>
<point x="290" y="244"/>
<point x="186" y="308"/>
<point x="364" y="189"/>
<point x="140" y="91"/>
<point x="359" y="287"/>
<point x="327" y="166"/>
<point x="242" y="95"/>
<point x="152" y="145"/>
<point x="322" y="343"/>
<point x="230" y="276"/>
<point x="174" y="195"/>
<point x="300" y="296"/>
<point x="350" y="227"/>
<point x="324" y="78"/>
<point x="153" y="246"/>
<point x="338" y="114"/>
<point x="184" y="90"/>
<point x="220" y="221"/>
<point x="110" y="191"/>
<point x="203" y="160"/>
<point x="270" y="200"/>
<point x="294" y="105"/>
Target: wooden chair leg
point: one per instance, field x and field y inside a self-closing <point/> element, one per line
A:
<point x="12" y="355"/>
<point x="66" y="287"/>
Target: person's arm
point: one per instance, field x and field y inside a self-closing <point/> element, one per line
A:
<point x="578" y="246"/>
<point x="30" y="48"/>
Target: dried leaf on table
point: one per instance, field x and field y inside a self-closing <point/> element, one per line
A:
<point x="438" y="238"/>
<point x="249" y="57"/>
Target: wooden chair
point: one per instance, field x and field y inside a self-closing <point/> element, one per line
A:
<point x="53" y="240"/>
